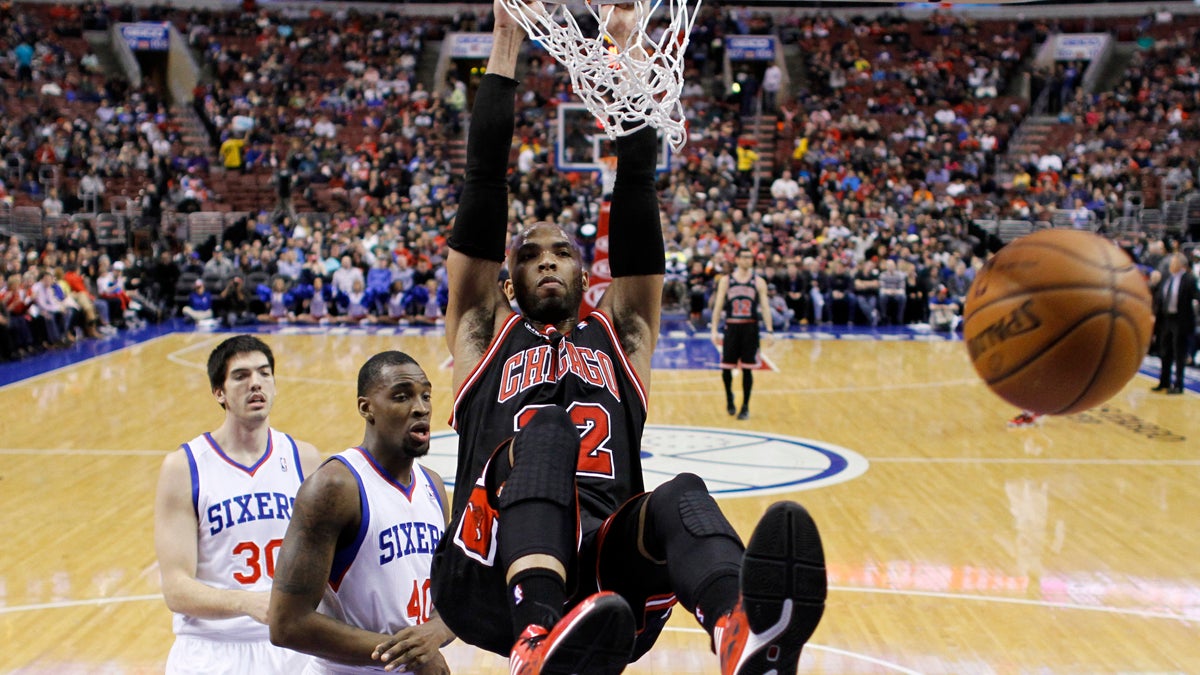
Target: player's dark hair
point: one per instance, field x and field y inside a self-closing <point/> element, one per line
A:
<point x="370" y="372"/>
<point x="218" y="360"/>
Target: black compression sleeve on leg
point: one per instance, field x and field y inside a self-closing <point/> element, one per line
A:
<point x="635" y="241"/>
<point x="538" y="508"/>
<point x="482" y="222"/>
<point x="685" y="526"/>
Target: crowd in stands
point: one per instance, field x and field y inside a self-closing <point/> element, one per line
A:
<point x="881" y="161"/>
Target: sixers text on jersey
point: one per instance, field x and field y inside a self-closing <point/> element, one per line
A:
<point x="250" y="507"/>
<point x="407" y="538"/>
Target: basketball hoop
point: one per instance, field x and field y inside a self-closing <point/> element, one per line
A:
<point x="625" y="86"/>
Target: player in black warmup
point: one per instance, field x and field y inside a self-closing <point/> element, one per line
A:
<point x="555" y="555"/>
<point x="742" y="297"/>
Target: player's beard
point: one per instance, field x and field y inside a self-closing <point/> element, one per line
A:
<point x="554" y="309"/>
<point x="416" y="452"/>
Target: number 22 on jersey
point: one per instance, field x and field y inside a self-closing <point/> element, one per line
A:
<point x="592" y="420"/>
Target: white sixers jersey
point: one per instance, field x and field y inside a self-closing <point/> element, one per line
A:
<point x="243" y="512"/>
<point x="380" y="582"/>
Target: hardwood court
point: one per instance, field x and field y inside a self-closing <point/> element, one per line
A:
<point x="965" y="547"/>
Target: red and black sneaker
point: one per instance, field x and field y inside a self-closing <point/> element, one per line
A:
<point x="1025" y="419"/>
<point x="595" y="637"/>
<point x="782" y="597"/>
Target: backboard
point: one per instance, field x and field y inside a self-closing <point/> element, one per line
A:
<point x="580" y="142"/>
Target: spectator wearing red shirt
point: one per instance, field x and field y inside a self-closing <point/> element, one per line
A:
<point x="15" y="325"/>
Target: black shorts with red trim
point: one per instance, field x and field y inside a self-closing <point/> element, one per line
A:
<point x="471" y="594"/>
<point x="740" y="346"/>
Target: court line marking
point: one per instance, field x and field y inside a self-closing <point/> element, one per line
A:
<point x="863" y="657"/>
<point x="143" y="598"/>
<point x="178" y="359"/>
<point x="1121" y="611"/>
<point x="67" y="604"/>
<point x="821" y="648"/>
<point x="823" y="390"/>
<point x="71" y="452"/>
<point x="176" y="356"/>
<point x="68" y="452"/>
<point x="85" y="360"/>
<point x="1034" y="460"/>
<point x="941" y="595"/>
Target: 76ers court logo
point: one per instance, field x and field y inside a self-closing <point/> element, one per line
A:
<point x="732" y="463"/>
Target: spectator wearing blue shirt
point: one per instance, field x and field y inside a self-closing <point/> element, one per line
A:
<point x="944" y="310"/>
<point x="289" y="266"/>
<point x="379" y="277"/>
<point x="23" y="53"/>
<point x="200" y="302"/>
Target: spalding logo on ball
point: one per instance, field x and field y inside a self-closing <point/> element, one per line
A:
<point x="1058" y="321"/>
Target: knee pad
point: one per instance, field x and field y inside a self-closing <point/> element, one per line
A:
<point x="684" y="502"/>
<point x="702" y="550"/>
<point x="545" y="455"/>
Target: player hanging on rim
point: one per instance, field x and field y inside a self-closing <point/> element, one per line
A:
<point x="555" y="555"/>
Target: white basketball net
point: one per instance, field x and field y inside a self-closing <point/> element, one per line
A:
<point x="626" y="86"/>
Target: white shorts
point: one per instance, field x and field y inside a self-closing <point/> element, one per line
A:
<point x="322" y="667"/>
<point x="192" y="655"/>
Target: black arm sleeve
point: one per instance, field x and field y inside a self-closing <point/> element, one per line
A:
<point x="482" y="222"/>
<point x="635" y="240"/>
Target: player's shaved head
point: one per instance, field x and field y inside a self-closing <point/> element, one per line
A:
<point x="369" y="374"/>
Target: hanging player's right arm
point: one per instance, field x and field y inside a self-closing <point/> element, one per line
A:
<point x="176" y="541"/>
<point x="477" y="307"/>
<point x="637" y="252"/>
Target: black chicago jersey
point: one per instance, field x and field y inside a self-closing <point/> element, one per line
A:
<point x="586" y="373"/>
<point x="741" y="300"/>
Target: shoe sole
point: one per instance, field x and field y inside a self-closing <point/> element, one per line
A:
<point x="598" y="642"/>
<point x="784" y="586"/>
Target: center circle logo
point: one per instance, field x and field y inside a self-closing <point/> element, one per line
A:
<point x="732" y="463"/>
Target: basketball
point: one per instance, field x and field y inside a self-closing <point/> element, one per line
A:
<point x="1058" y="321"/>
